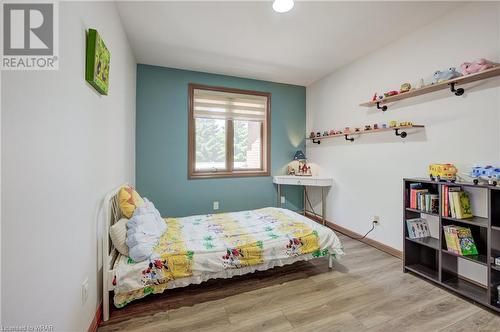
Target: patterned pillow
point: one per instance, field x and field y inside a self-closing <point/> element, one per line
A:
<point x="129" y="200"/>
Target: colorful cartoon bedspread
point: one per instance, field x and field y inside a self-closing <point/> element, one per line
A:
<point x="198" y="248"/>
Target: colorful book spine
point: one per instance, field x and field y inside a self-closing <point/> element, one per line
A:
<point x="467" y="244"/>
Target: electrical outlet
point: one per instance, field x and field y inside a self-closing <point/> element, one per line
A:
<point x="85" y="290"/>
<point x="216" y="205"/>
<point x="282" y="199"/>
<point x="376" y="220"/>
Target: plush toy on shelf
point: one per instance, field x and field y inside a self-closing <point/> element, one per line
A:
<point x="476" y="66"/>
<point x="445" y="75"/>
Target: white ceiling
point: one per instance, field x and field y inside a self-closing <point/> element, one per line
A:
<point x="248" y="39"/>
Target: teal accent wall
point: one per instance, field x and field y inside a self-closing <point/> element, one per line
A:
<point x="162" y="144"/>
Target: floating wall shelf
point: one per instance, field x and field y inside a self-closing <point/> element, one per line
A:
<point x="451" y="84"/>
<point x="348" y="137"/>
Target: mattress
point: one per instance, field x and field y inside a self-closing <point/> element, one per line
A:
<point x="197" y="248"/>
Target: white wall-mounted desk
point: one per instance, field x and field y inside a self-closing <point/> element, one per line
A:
<point x="305" y="181"/>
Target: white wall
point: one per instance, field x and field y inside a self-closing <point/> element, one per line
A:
<point x="63" y="147"/>
<point x="463" y="130"/>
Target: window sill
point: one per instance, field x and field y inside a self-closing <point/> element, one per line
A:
<point x="234" y="174"/>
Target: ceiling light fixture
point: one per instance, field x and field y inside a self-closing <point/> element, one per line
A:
<point x="282" y="6"/>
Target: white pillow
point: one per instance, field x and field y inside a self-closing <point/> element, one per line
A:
<point x="118" y="235"/>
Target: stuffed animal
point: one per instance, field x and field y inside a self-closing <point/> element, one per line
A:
<point x="445" y="75"/>
<point x="476" y="66"/>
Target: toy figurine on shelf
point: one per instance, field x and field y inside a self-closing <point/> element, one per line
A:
<point x="375" y="126"/>
<point x="374" y="98"/>
<point x="347" y="131"/>
<point x="368" y="127"/>
<point x="443" y="172"/>
<point x="318" y="134"/>
<point x="421" y="83"/>
<point x="468" y="68"/>
<point x="488" y="174"/>
<point x="445" y="75"/>
<point x="332" y="132"/>
<point x="381" y="97"/>
<point x="290" y="170"/>
<point x="357" y="130"/>
<point x="406" y="124"/>
<point x="390" y="93"/>
<point x="383" y="125"/>
<point x="312" y="134"/>
<point x="338" y="132"/>
<point x="405" y="87"/>
<point x="393" y="123"/>
<point x="325" y="133"/>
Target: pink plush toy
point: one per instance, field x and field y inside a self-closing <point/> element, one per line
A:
<point x="475" y="67"/>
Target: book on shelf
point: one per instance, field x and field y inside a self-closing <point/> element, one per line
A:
<point x="459" y="240"/>
<point x="456" y="202"/>
<point x="417" y="228"/>
<point x="421" y="199"/>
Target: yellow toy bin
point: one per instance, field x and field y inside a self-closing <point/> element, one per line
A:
<point x="447" y="172"/>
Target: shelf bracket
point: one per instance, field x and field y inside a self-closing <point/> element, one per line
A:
<point x="383" y="108"/>
<point x="402" y="134"/>
<point x="316" y="141"/>
<point x="349" y="138"/>
<point x="457" y="92"/>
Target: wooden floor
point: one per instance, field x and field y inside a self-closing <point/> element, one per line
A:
<point x="366" y="291"/>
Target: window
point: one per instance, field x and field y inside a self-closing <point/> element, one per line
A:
<point x="229" y="132"/>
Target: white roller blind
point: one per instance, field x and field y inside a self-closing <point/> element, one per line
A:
<point x="226" y="105"/>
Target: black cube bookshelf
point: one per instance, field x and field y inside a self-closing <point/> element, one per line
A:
<point x="429" y="258"/>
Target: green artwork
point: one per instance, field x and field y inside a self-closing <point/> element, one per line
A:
<point x="97" y="62"/>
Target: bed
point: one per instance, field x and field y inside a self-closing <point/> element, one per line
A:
<point x="198" y="248"/>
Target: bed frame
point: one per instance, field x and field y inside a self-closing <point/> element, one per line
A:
<point x="113" y="214"/>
